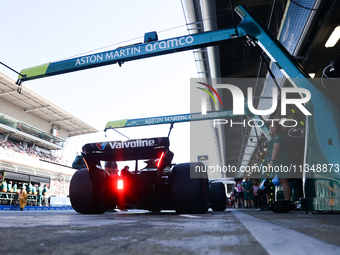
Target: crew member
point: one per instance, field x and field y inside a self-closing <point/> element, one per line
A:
<point x="45" y="198"/>
<point x="247" y="187"/>
<point x="279" y="156"/>
<point x="3" y="187"/>
<point x="23" y="198"/>
<point x="79" y="162"/>
<point x="40" y="194"/>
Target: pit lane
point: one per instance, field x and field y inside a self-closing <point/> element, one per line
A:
<point x="142" y="232"/>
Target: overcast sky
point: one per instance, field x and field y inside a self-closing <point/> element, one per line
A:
<point x="36" y="32"/>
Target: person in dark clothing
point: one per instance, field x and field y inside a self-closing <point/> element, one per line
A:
<point x="111" y="168"/>
<point x="79" y="162"/>
<point x="247" y="187"/>
<point x="256" y="194"/>
<point x="279" y="156"/>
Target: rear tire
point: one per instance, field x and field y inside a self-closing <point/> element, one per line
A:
<point x="81" y="195"/>
<point x="189" y="195"/>
<point x="218" y="198"/>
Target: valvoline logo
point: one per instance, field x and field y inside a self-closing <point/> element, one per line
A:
<point x="138" y="143"/>
<point x="101" y="146"/>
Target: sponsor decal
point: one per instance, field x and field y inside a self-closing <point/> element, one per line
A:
<point x="135" y="50"/>
<point x="101" y="146"/>
<point x="127" y="144"/>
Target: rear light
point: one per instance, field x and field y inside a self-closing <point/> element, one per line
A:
<point x="120" y="184"/>
<point x="160" y="159"/>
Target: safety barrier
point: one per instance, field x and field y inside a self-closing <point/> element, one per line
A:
<point x="35" y="208"/>
<point x="7" y="198"/>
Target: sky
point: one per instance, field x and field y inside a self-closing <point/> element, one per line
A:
<point x="36" y="32"/>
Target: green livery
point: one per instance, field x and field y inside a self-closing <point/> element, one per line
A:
<point x="37" y="72"/>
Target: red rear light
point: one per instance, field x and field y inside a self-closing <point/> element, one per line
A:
<point x="120" y="184"/>
<point x="160" y="159"/>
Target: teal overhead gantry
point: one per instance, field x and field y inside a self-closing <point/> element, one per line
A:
<point x="322" y="144"/>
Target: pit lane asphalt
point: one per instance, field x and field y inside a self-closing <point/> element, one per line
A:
<point x="142" y="232"/>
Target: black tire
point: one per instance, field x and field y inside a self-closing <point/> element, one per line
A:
<point x="189" y="195"/>
<point x="81" y="196"/>
<point x="218" y="198"/>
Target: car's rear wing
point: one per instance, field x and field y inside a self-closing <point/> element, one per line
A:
<point x="137" y="149"/>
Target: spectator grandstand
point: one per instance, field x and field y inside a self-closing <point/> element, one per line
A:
<point x="32" y="133"/>
<point x="19" y="148"/>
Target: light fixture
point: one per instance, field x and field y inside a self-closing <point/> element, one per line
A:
<point x="312" y="75"/>
<point x="333" y="39"/>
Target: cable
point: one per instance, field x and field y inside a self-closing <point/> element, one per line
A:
<point x="121" y="133"/>
<point x="9" y="68"/>
<point x="274" y="79"/>
<point x="140" y="37"/>
<point x="233" y="16"/>
<point x="171" y="127"/>
<point x="185" y="17"/>
<point x="245" y="50"/>
<point x="25" y="38"/>
<point x="268" y="68"/>
<point x="268" y="26"/>
<point x="245" y="53"/>
<point x="271" y="14"/>
<point x="303" y="7"/>
<point x="80" y="54"/>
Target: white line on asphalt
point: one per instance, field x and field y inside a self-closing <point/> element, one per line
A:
<point x="280" y="240"/>
<point x="71" y="231"/>
<point x="190" y="216"/>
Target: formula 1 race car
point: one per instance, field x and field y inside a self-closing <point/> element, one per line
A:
<point x="160" y="185"/>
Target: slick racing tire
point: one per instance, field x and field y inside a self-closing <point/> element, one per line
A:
<point x="218" y="198"/>
<point x="189" y="195"/>
<point x="81" y="196"/>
